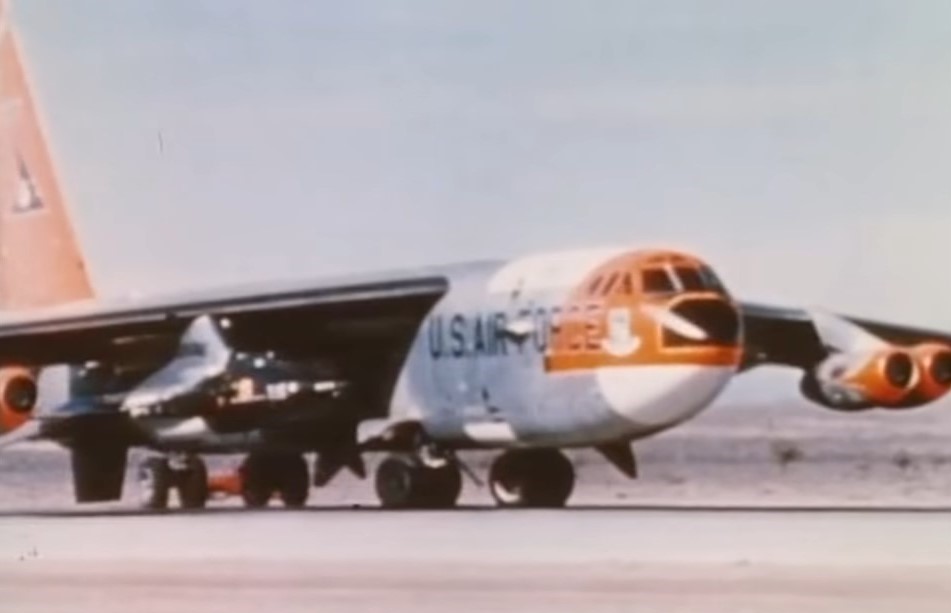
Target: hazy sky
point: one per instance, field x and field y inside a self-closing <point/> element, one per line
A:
<point x="803" y="147"/>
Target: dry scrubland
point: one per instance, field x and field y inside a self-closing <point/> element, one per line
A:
<point x="781" y="454"/>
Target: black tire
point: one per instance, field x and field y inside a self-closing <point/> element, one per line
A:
<point x="256" y="486"/>
<point x="193" y="484"/>
<point x="442" y="486"/>
<point x="155" y="479"/>
<point x="398" y="482"/>
<point x="537" y="478"/>
<point x="294" y="480"/>
<point x="404" y="482"/>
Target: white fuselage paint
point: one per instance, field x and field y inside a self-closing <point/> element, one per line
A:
<point x="660" y="396"/>
<point x="508" y="398"/>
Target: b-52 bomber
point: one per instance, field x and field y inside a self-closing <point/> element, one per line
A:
<point x="593" y="348"/>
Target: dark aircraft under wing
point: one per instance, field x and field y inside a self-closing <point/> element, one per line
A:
<point x="295" y="320"/>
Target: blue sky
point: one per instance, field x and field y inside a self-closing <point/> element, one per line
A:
<point x="802" y="147"/>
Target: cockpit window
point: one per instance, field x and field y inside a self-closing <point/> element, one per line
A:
<point x="711" y="280"/>
<point x="612" y="280"/>
<point x="690" y="279"/>
<point x="656" y="280"/>
<point x="627" y="284"/>
<point x="593" y="288"/>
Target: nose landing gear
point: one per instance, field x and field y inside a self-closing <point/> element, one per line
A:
<point x="533" y="478"/>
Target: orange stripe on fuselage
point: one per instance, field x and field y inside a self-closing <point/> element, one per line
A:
<point x="577" y="338"/>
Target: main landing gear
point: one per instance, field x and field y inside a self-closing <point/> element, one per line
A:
<point x="408" y="481"/>
<point x="258" y="479"/>
<point x="264" y="474"/>
<point x="531" y="478"/>
<point x="157" y="476"/>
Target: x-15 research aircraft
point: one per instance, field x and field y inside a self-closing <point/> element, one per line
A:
<point x="594" y="348"/>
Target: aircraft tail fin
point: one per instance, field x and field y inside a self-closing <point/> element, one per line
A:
<point x="40" y="260"/>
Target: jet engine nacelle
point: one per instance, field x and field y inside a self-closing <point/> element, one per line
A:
<point x="18" y="394"/>
<point x="858" y="381"/>
<point x="934" y="368"/>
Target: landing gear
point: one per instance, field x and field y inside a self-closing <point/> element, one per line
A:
<point x="155" y="478"/>
<point x="537" y="478"/>
<point x="192" y="482"/>
<point x="158" y="475"/>
<point x="264" y="474"/>
<point x="405" y="481"/>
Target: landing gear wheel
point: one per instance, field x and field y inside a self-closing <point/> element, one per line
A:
<point x="398" y="482"/>
<point x="264" y="474"/>
<point x="155" y="479"/>
<point x="294" y="481"/>
<point x="192" y="482"/>
<point x="404" y="482"/>
<point x="442" y="486"/>
<point x="255" y="481"/>
<point x="535" y="478"/>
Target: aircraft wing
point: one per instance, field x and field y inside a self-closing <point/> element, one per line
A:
<point x="295" y="318"/>
<point x="849" y="363"/>
<point x="800" y="337"/>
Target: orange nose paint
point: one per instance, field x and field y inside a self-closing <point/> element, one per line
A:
<point x="615" y="316"/>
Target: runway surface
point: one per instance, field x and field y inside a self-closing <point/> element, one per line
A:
<point x="622" y="546"/>
<point x="620" y="559"/>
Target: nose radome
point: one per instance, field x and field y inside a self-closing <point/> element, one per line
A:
<point x="660" y="396"/>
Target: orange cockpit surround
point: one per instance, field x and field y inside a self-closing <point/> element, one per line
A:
<point x="646" y="308"/>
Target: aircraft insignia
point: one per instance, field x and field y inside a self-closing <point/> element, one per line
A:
<point x="620" y="342"/>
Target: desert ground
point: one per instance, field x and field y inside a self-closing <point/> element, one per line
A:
<point x="764" y="454"/>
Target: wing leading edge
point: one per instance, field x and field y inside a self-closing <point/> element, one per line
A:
<point x="287" y="315"/>
<point x="850" y="363"/>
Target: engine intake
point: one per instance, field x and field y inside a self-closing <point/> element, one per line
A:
<point x="934" y="365"/>
<point x="898" y="369"/>
<point x="18" y="393"/>
<point x="857" y="381"/>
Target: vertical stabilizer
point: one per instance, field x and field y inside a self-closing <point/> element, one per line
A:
<point x="40" y="260"/>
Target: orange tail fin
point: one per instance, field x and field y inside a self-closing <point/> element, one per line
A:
<point x="40" y="260"/>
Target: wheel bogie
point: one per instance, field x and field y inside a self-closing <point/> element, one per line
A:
<point x="192" y="484"/>
<point x="264" y="475"/>
<point x="154" y="478"/>
<point x="533" y="478"/>
<point x="403" y="481"/>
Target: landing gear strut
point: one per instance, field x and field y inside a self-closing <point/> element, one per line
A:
<point x="539" y="478"/>
<point x="405" y="481"/>
<point x="157" y="476"/>
<point x="264" y="474"/>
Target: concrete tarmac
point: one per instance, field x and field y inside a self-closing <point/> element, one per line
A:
<point x="592" y="559"/>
